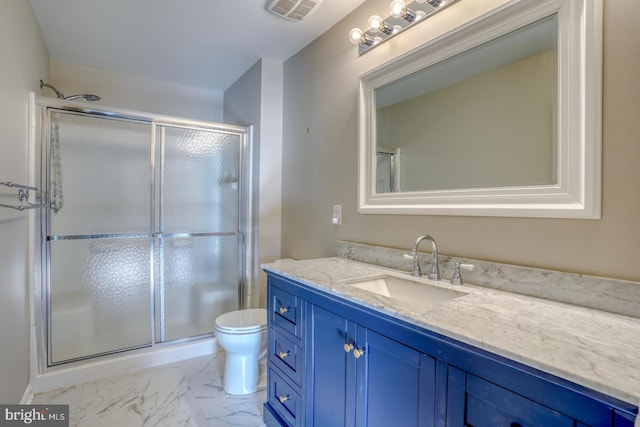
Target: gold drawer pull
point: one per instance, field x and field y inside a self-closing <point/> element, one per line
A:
<point x="283" y="354"/>
<point x="348" y="347"/>
<point x="283" y="399"/>
<point x="283" y="310"/>
<point x="357" y="353"/>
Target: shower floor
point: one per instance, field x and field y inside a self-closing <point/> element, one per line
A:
<point x="186" y="393"/>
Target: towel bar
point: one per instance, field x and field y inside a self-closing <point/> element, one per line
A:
<point x="23" y="197"/>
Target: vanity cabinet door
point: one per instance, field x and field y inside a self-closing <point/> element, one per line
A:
<point x="396" y="384"/>
<point x="331" y="372"/>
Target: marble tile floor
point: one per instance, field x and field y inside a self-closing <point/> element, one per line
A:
<point x="182" y="394"/>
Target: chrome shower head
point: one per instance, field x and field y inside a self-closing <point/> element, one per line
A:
<point x="60" y="95"/>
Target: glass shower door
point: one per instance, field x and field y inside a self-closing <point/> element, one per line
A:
<point x="198" y="238"/>
<point x="98" y="236"/>
<point x="144" y="233"/>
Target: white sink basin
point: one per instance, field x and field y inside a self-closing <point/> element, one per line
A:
<point x="405" y="289"/>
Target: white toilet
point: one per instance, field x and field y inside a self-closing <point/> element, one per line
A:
<point x="243" y="335"/>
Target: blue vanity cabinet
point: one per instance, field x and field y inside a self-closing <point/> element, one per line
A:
<point x="357" y="377"/>
<point x="334" y="363"/>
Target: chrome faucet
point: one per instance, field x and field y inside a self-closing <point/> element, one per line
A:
<point x="434" y="270"/>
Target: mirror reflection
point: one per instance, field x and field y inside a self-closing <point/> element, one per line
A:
<point x="486" y="118"/>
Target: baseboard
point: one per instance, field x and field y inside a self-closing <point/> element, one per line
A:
<point x="27" y="397"/>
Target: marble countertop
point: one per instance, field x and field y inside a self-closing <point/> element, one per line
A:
<point x="593" y="348"/>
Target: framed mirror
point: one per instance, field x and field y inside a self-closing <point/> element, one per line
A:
<point x="498" y="117"/>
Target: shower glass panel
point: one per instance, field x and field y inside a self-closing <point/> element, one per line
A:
<point x="101" y="178"/>
<point x="99" y="296"/>
<point x="200" y="183"/>
<point x="199" y="229"/>
<point x="99" y="293"/>
<point x="201" y="284"/>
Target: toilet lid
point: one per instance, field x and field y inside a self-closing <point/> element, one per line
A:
<point x="243" y="320"/>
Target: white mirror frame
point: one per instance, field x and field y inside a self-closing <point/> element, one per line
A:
<point x="578" y="192"/>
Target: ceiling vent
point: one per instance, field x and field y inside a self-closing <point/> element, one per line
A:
<point x="295" y="10"/>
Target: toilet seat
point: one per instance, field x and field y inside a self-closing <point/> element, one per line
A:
<point x="242" y="321"/>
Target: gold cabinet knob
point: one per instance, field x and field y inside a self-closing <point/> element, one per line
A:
<point x="283" y="354"/>
<point x="348" y="347"/>
<point x="283" y="399"/>
<point x="357" y="353"/>
<point x="283" y="310"/>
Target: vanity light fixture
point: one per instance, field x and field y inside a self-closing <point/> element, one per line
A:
<point x="402" y="16"/>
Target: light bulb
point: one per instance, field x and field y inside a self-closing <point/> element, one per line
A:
<point x="356" y="36"/>
<point x="420" y="14"/>
<point x="397" y="8"/>
<point x="375" y="23"/>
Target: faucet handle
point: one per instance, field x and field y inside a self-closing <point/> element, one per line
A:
<point x="413" y="256"/>
<point x="456" y="279"/>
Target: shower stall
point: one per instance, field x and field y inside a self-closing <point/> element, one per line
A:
<point x="142" y="243"/>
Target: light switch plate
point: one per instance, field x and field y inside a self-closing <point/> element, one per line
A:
<point x="337" y="215"/>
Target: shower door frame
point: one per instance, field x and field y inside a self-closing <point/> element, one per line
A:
<point x="41" y="147"/>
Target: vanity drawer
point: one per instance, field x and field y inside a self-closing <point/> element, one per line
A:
<point x="285" y="311"/>
<point x="285" y="399"/>
<point x="488" y="405"/>
<point x="286" y="355"/>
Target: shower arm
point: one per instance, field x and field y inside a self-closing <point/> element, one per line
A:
<point x="53" y="88"/>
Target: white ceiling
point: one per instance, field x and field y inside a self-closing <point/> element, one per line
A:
<point x="201" y="43"/>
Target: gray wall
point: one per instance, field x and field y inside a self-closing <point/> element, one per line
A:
<point x="256" y="99"/>
<point x="24" y="62"/>
<point x="320" y="160"/>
